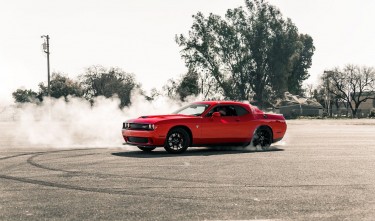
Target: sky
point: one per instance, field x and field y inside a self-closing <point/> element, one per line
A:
<point x="138" y="36"/>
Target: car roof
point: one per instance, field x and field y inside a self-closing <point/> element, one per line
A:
<point x="219" y="102"/>
<point x="224" y="102"/>
<point x="247" y="106"/>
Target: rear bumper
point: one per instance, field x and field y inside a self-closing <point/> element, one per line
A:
<point x="279" y="130"/>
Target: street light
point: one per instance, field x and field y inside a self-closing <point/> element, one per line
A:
<point x="46" y="50"/>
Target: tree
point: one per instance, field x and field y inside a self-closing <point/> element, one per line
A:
<point x="320" y="96"/>
<point x="250" y="53"/>
<point x="61" y="86"/>
<point x="353" y="85"/>
<point x="327" y="99"/>
<point x="170" y="88"/>
<point x="305" y="51"/>
<point x="25" y="96"/>
<point x="101" y="81"/>
<point x="308" y="90"/>
<point x="186" y="86"/>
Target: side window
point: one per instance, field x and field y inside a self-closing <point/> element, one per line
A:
<point x="231" y="111"/>
<point x="225" y="110"/>
<point x="241" y="111"/>
<point x="215" y="109"/>
<point x="209" y="114"/>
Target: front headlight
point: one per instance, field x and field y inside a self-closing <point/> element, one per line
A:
<point x="151" y="126"/>
<point x="126" y="125"/>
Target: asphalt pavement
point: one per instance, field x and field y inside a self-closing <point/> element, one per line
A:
<point x="322" y="170"/>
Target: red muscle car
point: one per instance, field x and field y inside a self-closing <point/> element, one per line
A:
<point x="205" y="123"/>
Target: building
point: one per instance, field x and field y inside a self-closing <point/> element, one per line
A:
<point x="366" y="106"/>
<point x="292" y="106"/>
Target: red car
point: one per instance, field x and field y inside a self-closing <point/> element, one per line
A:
<point x="205" y="123"/>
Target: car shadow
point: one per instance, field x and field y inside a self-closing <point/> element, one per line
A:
<point x="204" y="151"/>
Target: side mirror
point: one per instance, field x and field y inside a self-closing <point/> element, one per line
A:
<point x="216" y="114"/>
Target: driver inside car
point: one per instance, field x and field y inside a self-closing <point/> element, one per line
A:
<point x="222" y="111"/>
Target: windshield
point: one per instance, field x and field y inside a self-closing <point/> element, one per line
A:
<point x="192" y="109"/>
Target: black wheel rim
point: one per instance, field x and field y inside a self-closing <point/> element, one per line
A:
<point x="176" y="141"/>
<point x="263" y="139"/>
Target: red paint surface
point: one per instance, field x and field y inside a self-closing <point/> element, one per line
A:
<point x="207" y="129"/>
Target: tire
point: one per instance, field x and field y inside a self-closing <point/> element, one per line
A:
<point x="263" y="138"/>
<point x="177" y="141"/>
<point x="146" y="149"/>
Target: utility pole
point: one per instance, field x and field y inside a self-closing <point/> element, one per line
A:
<point x="46" y="50"/>
<point x="328" y="95"/>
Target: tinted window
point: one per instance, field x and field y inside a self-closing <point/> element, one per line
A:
<point x="225" y="110"/>
<point x="240" y="110"/>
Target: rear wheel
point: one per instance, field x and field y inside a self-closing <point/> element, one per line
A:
<point x="177" y="141"/>
<point x="263" y="138"/>
<point x="146" y="149"/>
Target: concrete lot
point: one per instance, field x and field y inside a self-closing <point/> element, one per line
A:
<point x="322" y="170"/>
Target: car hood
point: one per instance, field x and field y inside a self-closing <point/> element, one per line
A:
<point x="151" y="119"/>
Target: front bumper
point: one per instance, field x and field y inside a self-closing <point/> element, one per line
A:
<point x="143" y="138"/>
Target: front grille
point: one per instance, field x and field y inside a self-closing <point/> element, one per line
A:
<point x="138" y="139"/>
<point x="135" y="126"/>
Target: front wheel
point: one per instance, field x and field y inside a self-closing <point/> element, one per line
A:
<point x="262" y="138"/>
<point x="146" y="149"/>
<point x="177" y="141"/>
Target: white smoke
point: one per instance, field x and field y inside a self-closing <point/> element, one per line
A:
<point x="56" y="123"/>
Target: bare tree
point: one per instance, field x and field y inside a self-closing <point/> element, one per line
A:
<point x="308" y="90"/>
<point x="353" y="85"/>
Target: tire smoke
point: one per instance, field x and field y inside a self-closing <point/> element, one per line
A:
<point x="77" y="124"/>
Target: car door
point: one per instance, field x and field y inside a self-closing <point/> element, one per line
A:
<point x="221" y="129"/>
